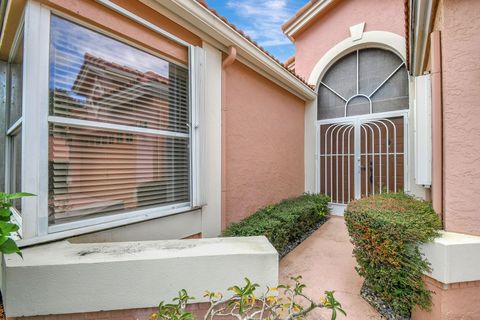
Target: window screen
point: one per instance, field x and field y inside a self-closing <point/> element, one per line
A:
<point x="119" y="134"/>
<point x="365" y="80"/>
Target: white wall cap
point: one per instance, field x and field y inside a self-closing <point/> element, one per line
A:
<point x="454" y="257"/>
<point x="63" y="277"/>
<point x="64" y="252"/>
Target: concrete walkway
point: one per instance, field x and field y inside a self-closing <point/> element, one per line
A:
<point x="325" y="262"/>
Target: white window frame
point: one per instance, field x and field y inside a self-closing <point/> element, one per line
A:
<point x="15" y="127"/>
<point x="36" y="120"/>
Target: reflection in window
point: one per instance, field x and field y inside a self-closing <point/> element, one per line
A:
<point x="97" y="81"/>
<point x="14" y="121"/>
<point x="16" y="69"/>
<point x="364" y="81"/>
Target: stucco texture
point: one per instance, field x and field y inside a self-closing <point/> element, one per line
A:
<point x="461" y="115"/>
<point x="263" y="143"/>
<point x="333" y="26"/>
<point x="458" y="301"/>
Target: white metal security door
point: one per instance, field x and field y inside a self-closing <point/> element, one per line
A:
<point x="360" y="156"/>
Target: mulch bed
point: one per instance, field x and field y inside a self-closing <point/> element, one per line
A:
<point x="292" y="245"/>
<point x="381" y="306"/>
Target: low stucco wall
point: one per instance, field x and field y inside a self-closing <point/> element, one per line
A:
<point x="62" y="277"/>
<point x="333" y="26"/>
<point x="197" y="309"/>
<point x="263" y="144"/>
<point x="455" y="277"/>
<point x="453" y="302"/>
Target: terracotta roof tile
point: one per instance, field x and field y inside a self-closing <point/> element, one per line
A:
<point x="247" y="37"/>
<point x="298" y="14"/>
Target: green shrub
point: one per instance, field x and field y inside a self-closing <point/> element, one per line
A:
<point x="386" y="231"/>
<point x="285" y="222"/>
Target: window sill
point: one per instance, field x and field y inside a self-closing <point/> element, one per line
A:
<point x="77" y="228"/>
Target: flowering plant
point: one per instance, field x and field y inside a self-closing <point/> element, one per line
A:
<point x="284" y="302"/>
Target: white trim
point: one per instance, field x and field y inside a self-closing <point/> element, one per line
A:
<point x="148" y="214"/>
<point x="112" y="6"/>
<point x="372" y="39"/>
<point x="306" y="17"/>
<point x="114" y="127"/>
<point x="202" y="19"/>
<point x="155" y="212"/>
<point x="16" y="39"/>
<point x="15" y="126"/>
<point x="197" y="102"/>
<point x="17" y="219"/>
<point x="370" y="116"/>
<point x="35" y="96"/>
<point x="421" y="12"/>
<point x="212" y="136"/>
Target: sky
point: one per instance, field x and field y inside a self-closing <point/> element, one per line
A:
<point x="262" y="21"/>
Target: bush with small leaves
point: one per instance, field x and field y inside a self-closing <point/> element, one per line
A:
<point x="284" y="302"/>
<point x="386" y="231"/>
<point x="283" y="223"/>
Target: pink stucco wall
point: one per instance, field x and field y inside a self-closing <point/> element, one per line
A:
<point x="263" y="145"/>
<point x="456" y="301"/>
<point x="333" y="27"/>
<point x="461" y="112"/>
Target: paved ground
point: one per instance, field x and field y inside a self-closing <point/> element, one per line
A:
<point x="325" y="262"/>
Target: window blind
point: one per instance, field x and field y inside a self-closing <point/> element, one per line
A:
<point x="119" y="138"/>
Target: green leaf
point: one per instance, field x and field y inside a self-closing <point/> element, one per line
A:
<point x="18" y="195"/>
<point x="9" y="247"/>
<point x="7" y="227"/>
<point x="3" y="238"/>
<point x="5" y="212"/>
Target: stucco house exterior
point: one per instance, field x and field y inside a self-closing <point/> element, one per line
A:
<point x="139" y="123"/>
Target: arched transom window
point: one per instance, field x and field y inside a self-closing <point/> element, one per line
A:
<point x="362" y="82"/>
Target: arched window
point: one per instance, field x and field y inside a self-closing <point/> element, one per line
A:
<point x="362" y="82"/>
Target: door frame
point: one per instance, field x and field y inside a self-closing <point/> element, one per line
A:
<point x="356" y="121"/>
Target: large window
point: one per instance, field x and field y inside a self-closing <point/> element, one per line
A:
<point x="119" y="134"/>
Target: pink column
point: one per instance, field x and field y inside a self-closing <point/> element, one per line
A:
<point x="437" y="135"/>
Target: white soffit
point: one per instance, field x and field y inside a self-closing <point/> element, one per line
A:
<point x="200" y="18"/>
<point x="306" y="17"/>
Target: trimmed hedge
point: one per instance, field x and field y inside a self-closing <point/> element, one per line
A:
<point x="386" y="231"/>
<point x="283" y="223"/>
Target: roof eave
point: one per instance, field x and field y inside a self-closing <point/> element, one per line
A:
<point x="421" y="24"/>
<point x="293" y="26"/>
<point x="203" y="19"/>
